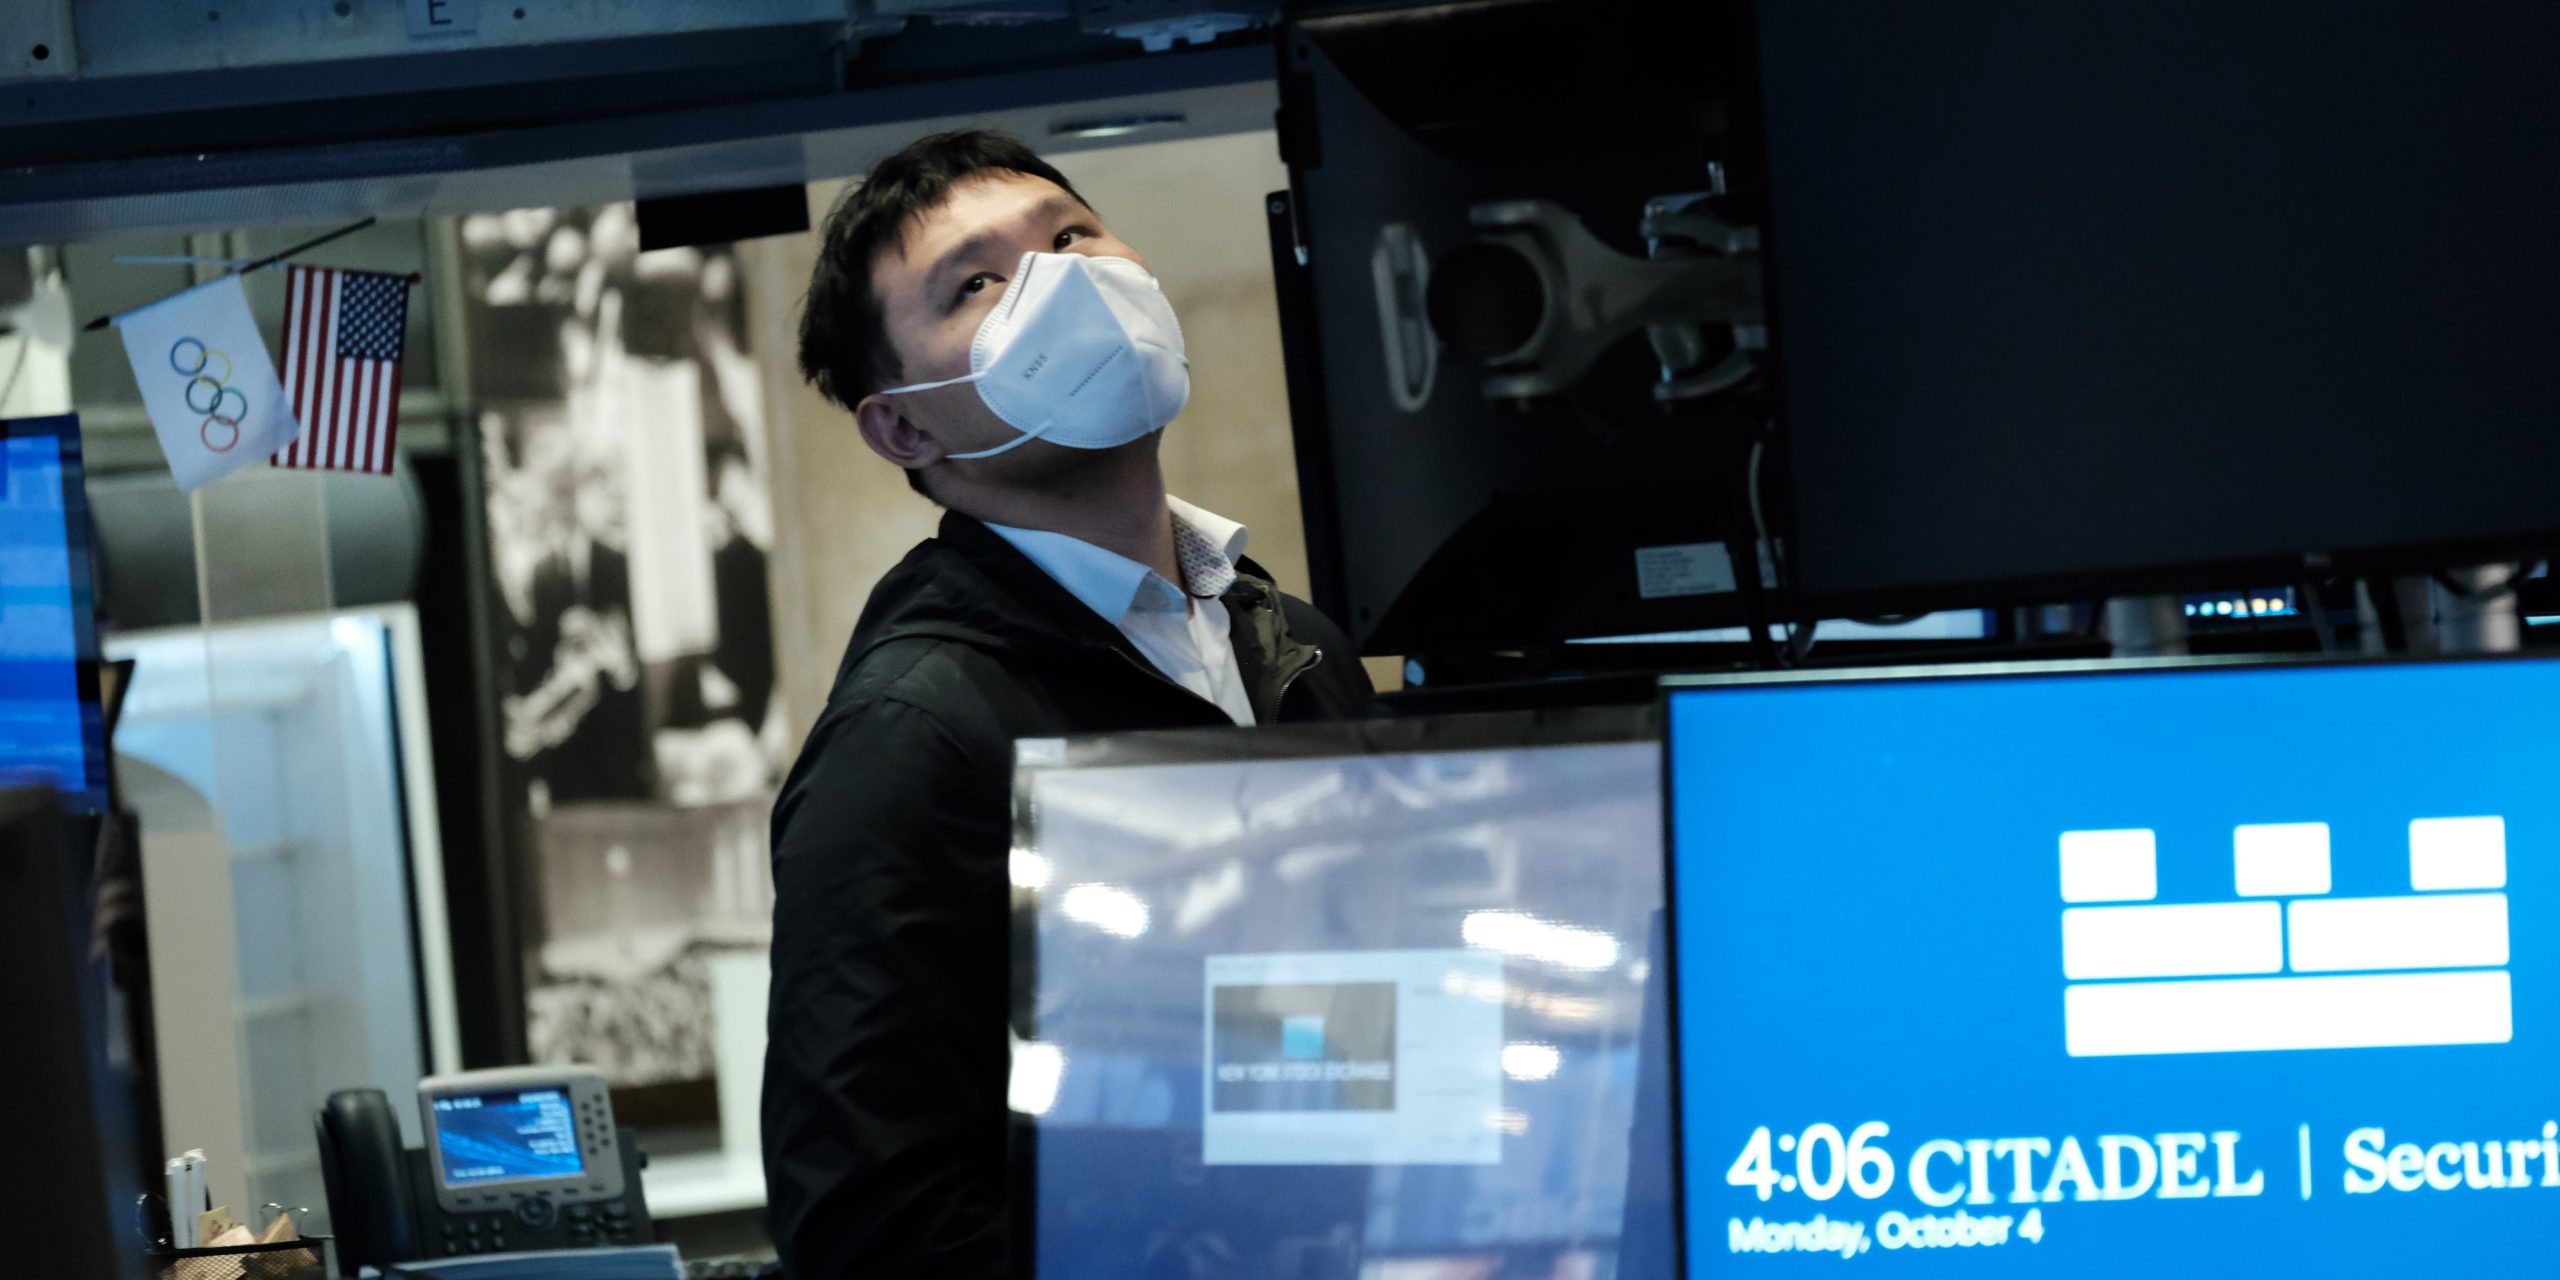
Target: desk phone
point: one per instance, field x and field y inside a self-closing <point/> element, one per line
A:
<point x="516" y="1159"/>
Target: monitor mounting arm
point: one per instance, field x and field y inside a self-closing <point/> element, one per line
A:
<point x="1538" y="298"/>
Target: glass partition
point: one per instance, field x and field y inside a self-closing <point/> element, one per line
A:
<point x="278" y="768"/>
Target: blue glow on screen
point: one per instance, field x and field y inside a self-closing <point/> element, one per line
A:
<point x="2026" y="976"/>
<point x="493" y="1136"/>
<point x="49" y="731"/>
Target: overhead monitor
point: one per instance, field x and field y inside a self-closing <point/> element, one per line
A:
<point x="2181" y="295"/>
<point x="1440" y="517"/>
<point x="51" y="730"/>
<point x="2227" y="970"/>
<point x="1345" y="1001"/>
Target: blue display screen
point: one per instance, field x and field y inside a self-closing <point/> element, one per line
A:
<point x="2028" y="976"/>
<point x="50" y="728"/>
<point x="492" y="1136"/>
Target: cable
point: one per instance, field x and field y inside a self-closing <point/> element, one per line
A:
<point x="1759" y="519"/>
<point x="1745" y="556"/>
<point x="2387" y="618"/>
<point x="2307" y="600"/>
<point x="1799" y="641"/>
<point x="1742" y="540"/>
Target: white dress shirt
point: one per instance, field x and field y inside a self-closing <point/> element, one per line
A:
<point x="1181" y="629"/>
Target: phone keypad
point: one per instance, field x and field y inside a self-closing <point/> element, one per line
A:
<point x="600" y="1224"/>
<point x="477" y="1233"/>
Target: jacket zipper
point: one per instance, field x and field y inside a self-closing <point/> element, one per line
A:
<point x="1283" y="697"/>
<point x="1276" y="701"/>
<point x="1168" y="682"/>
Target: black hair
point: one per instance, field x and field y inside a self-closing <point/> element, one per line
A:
<point x="844" y="336"/>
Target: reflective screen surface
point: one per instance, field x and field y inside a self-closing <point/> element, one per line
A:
<point x="530" y="1133"/>
<point x="1367" y="1016"/>
<point x="2239" y="970"/>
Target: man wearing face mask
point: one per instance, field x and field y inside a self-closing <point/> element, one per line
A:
<point x="991" y="337"/>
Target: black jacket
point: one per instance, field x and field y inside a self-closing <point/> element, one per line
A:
<point x="885" y="1130"/>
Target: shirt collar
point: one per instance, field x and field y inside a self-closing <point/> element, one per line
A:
<point x="1225" y="534"/>
<point x="1114" y="585"/>
<point x="1208" y="545"/>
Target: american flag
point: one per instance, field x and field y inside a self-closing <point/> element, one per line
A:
<point x="342" y="332"/>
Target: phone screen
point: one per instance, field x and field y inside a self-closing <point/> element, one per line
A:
<point x="510" y="1134"/>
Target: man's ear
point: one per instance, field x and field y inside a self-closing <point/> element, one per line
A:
<point x="893" y="435"/>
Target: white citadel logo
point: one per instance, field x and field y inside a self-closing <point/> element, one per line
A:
<point x="2286" y="966"/>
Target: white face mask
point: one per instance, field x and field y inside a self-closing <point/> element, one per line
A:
<point x="1080" y="351"/>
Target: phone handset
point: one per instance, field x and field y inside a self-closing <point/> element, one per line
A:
<point x="364" y="1168"/>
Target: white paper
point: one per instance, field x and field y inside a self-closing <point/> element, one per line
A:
<point x="208" y="382"/>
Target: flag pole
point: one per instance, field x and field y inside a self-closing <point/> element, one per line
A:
<point x="268" y="261"/>
<point x="173" y="259"/>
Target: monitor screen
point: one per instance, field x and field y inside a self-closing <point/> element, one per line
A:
<point x="2189" y="293"/>
<point x="1322" y="1004"/>
<point x="2056" y="974"/>
<point x="507" y="1135"/>
<point x="1440" y="516"/>
<point x="50" y="728"/>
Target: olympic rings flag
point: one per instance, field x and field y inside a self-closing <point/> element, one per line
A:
<point x="207" y="381"/>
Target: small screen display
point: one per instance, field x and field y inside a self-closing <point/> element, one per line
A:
<point x="490" y="1137"/>
<point x="50" y="727"/>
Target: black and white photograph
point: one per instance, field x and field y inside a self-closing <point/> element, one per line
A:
<point x="622" y="438"/>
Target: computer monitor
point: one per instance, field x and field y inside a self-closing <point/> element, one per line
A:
<point x="2067" y="300"/>
<point x="1439" y="518"/>
<point x="2217" y="969"/>
<point x="51" y="729"/>
<point x="67" y="1130"/>
<point x="1345" y="1002"/>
